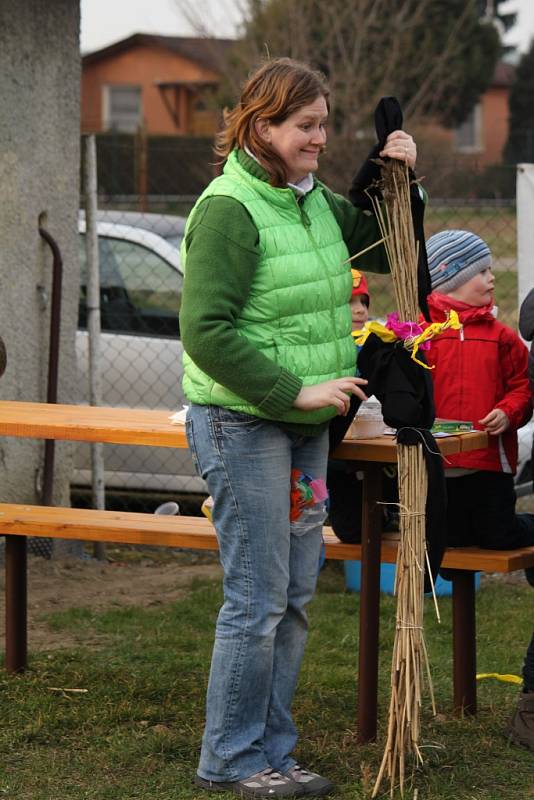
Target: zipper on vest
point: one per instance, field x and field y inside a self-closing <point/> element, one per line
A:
<point x="304" y="216"/>
<point x="307" y="225"/>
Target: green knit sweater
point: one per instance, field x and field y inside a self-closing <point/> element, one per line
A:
<point x="222" y="246"/>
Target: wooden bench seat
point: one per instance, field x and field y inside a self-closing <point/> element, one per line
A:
<point x="18" y="521"/>
<point x="127" y="527"/>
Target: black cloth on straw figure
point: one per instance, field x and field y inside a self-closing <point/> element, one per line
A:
<point x="403" y="387"/>
<point x="366" y="184"/>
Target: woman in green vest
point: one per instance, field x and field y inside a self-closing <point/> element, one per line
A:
<point x="268" y="361"/>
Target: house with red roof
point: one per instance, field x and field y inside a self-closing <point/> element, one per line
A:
<point x="165" y="85"/>
<point x="484" y="133"/>
<point x="160" y="83"/>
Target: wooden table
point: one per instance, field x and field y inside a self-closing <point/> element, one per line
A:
<point x="152" y="427"/>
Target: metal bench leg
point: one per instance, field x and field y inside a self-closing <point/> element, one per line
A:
<point x="16" y="604"/>
<point x="464" y="641"/>
<point x="369" y="604"/>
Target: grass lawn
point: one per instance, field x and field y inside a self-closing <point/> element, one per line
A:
<point x="135" y="733"/>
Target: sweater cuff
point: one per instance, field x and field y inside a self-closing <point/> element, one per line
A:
<point x="280" y="398"/>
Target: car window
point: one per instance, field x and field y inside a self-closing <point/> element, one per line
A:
<point x="140" y="292"/>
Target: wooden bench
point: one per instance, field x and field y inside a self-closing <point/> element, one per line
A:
<point x="18" y="521"/>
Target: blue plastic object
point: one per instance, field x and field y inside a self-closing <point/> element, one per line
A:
<point x="353" y="571"/>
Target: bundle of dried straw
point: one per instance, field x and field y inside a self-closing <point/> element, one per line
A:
<point x="409" y="652"/>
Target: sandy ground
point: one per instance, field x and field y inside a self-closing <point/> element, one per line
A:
<point x="75" y="583"/>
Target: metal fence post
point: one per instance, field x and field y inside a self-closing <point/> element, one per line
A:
<point x="93" y="323"/>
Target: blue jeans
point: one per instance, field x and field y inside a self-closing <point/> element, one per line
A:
<point x="270" y="572"/>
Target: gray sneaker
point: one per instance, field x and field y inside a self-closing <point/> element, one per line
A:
<point x="266" y="783"/>
<point x="314" y="785"/>
<point x="520" y="729"/>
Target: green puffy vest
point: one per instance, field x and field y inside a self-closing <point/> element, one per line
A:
<point x="297" y="312"/>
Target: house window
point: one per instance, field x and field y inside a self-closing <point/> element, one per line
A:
<point x="468" y="135"/>
<point x="122" y="108"/>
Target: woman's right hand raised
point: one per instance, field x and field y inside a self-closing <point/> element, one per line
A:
<point x="330" y="393"/>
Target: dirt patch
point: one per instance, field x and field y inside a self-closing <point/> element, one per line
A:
<point x="75" y="583"/>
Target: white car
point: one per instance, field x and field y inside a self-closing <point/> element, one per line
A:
<point x="141" y="353"/>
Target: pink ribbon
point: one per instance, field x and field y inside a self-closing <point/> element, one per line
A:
<point x="405" y="330"/>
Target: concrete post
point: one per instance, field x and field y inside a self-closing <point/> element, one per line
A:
<point x="525" y="230"/>
<point x="39" y="175"/>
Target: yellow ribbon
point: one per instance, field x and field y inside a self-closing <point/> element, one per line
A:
<point x="383" y="333"/>
<point x="412" y="343"/>
<point x="499" y="677"/>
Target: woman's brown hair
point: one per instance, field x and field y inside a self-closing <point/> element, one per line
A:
<point x="273" y="92"/>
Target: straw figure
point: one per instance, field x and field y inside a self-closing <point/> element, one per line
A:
<point x="409" y="647"/>
<point x="392" y="359"/>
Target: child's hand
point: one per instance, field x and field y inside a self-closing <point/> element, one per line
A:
<point x="495" y="422"/>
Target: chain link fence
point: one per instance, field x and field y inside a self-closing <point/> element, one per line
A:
<point x="495" y="222"/>
<point x="141" y="226"/>
<point x="141" y="352"/>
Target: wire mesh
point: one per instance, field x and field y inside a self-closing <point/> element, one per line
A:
<point x="142" y="211"/>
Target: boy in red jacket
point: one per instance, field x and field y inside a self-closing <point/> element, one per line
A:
<point x="479" y="374"/>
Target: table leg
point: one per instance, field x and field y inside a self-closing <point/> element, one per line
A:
<point x="16" y="604"/>
<point x="369" y="603"/>
<point x="464" y="641"/>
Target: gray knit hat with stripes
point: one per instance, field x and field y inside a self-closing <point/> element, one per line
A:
<point x="454" y="257"/>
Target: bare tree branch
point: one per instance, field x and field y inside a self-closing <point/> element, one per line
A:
<point x="434" y="55"/>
